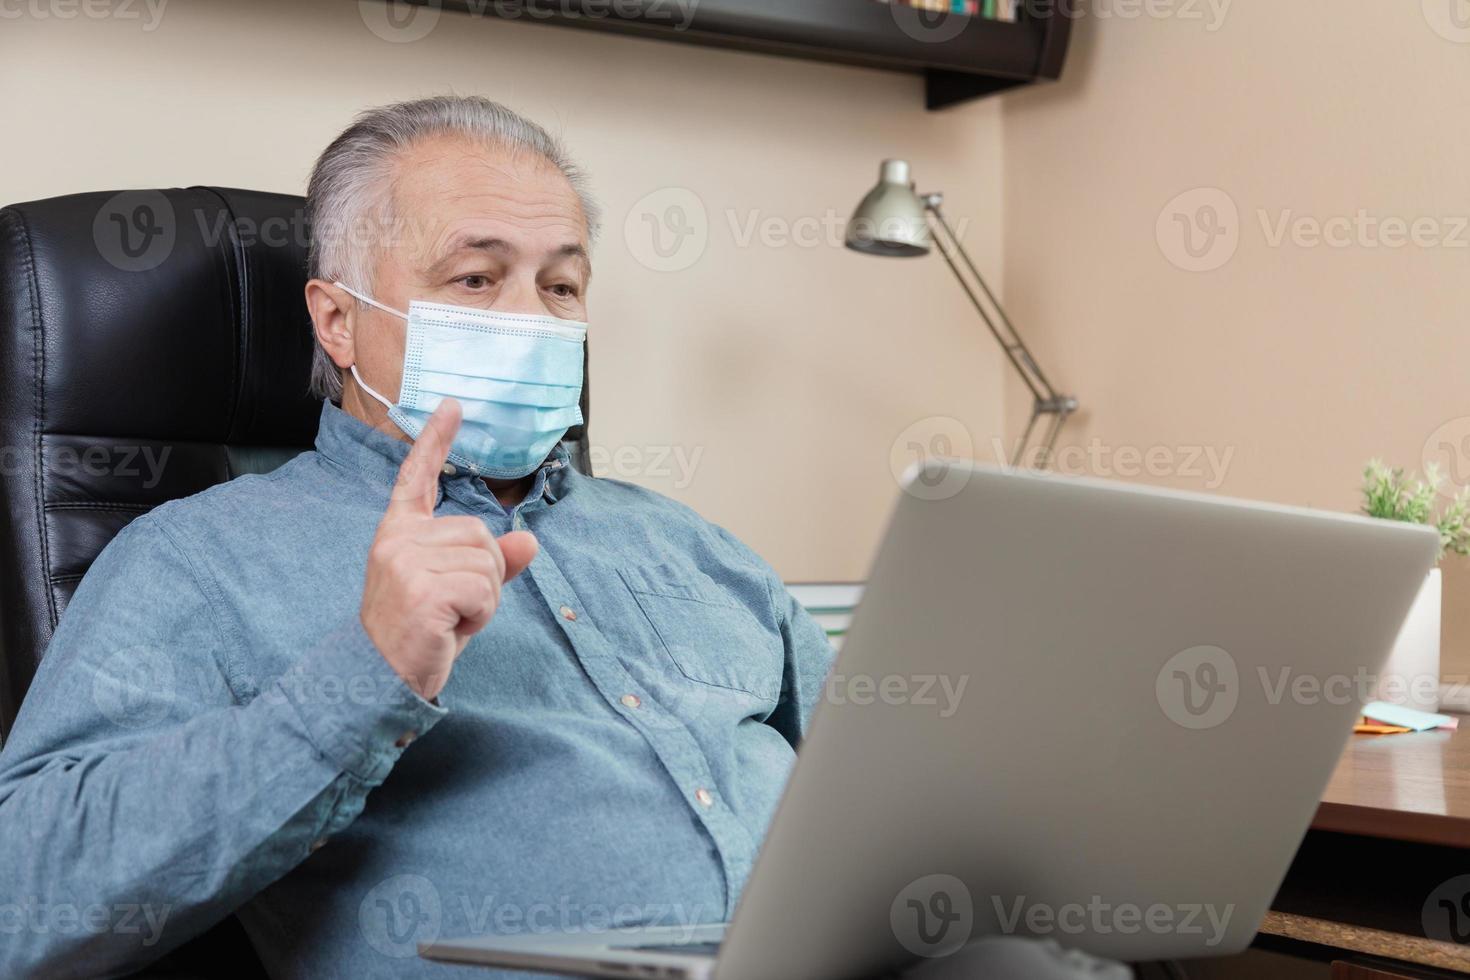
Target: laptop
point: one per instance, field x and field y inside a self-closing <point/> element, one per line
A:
<point x="1111" y="713"/>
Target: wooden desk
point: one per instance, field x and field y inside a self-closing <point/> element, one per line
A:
<point x="1393" y="827"/>
<point x="1413" y="787"/>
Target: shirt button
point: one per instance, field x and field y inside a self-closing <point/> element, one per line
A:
<point x="631" y="701"/>
<point x="569" y="614"/>
<point x="450" y="469"/>
<point x="705" y="798"/>
<point x="405" y="740"/>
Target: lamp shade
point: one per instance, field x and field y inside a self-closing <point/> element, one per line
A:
<point x="891" y="219"/>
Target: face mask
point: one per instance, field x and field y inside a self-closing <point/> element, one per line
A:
<point x="518" y="377"/>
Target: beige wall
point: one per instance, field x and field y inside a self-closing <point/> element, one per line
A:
<point x="784" y="370"/>
<point x="1301" y="359"/>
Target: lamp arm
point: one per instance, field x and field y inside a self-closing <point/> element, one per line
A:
<point x="1046" y="400"/>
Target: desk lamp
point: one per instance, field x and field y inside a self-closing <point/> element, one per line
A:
<point x="893" y="220"/>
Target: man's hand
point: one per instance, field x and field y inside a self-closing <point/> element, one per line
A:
<point x="432" y="583"/>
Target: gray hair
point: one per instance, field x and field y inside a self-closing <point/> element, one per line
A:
<point x="348" y="199"/>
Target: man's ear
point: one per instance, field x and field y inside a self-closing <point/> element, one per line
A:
<point x="328" y="306"/>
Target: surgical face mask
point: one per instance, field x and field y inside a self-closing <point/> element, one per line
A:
<point x="518" y="377"/>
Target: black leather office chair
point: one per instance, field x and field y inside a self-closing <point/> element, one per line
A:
<point x="134" y="324"/>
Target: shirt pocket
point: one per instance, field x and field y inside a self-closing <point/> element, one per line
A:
<point x="711" y="638"/>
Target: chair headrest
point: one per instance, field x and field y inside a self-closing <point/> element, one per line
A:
<point x="152" y="344"/>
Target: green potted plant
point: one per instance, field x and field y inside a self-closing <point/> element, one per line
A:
<point x="1412" y="674"/>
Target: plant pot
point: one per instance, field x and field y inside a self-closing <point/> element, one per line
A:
<point x="1411" y="676"/>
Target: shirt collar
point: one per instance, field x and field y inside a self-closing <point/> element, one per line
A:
<point x="376" y="456"/>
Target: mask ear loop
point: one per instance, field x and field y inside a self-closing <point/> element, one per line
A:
<point x="369" y="301"/>
<point x="386" y="309"/>
<point x="369" y="389"/>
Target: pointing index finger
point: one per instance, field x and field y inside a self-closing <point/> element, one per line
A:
<point x="415" y="490"/>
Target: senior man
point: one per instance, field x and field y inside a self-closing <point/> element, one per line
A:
<point x="427" y="679"/>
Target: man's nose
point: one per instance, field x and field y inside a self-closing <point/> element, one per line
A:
<point x="520" y="295"/>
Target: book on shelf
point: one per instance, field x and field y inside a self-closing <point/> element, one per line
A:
<point x="1003" y="10"/>
<point x="834" y="623"/>
<point x="829" y="603"/>
<point x="826" y="596"/>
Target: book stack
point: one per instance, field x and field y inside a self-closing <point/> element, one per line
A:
<point x="1002" y="10"/>
<point x="830" y="603"/>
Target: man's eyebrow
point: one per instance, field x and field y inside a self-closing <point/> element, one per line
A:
<point x="469" y="243"/>
<point x="578" y="251"/>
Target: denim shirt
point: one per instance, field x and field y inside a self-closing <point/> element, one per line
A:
<point x="212" y="731"/>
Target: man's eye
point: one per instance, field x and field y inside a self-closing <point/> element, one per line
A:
<point x="562" y="290"/>
<point x="474" y="282"/>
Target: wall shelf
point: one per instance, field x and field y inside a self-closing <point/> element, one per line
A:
<point x="961" y="58"/>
